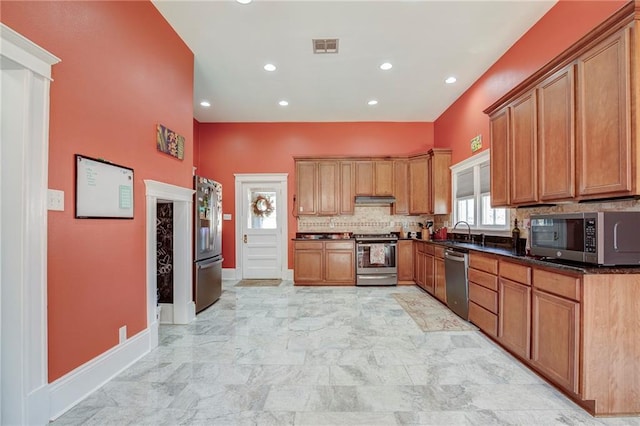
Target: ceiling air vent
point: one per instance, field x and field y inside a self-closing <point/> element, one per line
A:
<point x="325" y="45"/>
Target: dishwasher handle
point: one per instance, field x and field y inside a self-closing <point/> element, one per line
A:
<point x="454" y="255"/>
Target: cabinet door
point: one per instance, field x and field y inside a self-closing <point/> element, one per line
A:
<point x="440" y="181"/>
<point x="401" y="186"/>
<point x="418" y="185"/>
<point x="523" y="150"/>
<point x="514" y="317"/>
<point x="308" y="266"/>
<point x="419" y="266"/>
<point x="440" y="289"/>
<point x="347" y="188"/>
<point x="603" y="119"/>
<point x="340" y="266"/>
<point x="383" y="177"/>
<point x="328" y="187"/>
<point x="499" y="129"/>
<point x="405" y="261"/>
<point x="364" y="177"/>
<point x="306" y="173"/>
<point x="555" y="337"/>
<point x="429" y="273"/>
<point x="556" y="136"/>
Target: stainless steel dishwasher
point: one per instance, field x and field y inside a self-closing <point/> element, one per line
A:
<point x="455" y="270"/>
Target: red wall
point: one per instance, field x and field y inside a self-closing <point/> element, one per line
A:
<point x="562" y="26"/>
<point x="228" y="148"/>
<point x="123" y="70"/>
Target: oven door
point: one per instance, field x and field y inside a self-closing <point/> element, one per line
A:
<point x="376" y="257"/>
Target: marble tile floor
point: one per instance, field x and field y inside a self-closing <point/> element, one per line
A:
<point x="324" y="356"/>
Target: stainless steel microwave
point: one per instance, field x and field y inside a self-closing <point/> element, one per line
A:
<point x="601" y="238"/>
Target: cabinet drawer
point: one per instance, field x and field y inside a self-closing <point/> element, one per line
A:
<point x="428" y="248"/>
<point x="439" y="251"/>
<point x="484" y="297"/>
<point x="339" y="245"/>
<point x="308" y="245"/>
<point x="485" y="320"/>
<point x="559" y="284"/>
<point x="515" y="272"/>
<point x="483" y="263"/>
<point x="484" y="279"/>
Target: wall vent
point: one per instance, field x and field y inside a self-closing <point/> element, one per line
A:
<point x="325" y="45"/>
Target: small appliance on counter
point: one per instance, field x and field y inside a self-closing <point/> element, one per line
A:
<point x="207" y="225"/>
<point x="599" y="238"/>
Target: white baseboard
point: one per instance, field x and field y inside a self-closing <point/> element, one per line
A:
<point x="166" y="313"/>
<point x="75" y="386"/>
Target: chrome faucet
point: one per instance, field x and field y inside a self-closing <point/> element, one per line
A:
<point x="468" y="228"/>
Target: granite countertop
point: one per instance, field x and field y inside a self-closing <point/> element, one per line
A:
<point x="535" y="260"/>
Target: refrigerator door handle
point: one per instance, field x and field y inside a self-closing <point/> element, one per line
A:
<point x="206" y="265"/>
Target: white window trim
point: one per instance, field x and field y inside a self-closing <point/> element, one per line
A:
<point x="470" y="162"/>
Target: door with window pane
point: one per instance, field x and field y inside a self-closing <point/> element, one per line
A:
<point x="261" y="230"/>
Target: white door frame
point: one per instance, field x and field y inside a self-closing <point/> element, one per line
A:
<point x="24" y="159"/>
<point x="279" y="178"/>
<point x="184" y="308"/>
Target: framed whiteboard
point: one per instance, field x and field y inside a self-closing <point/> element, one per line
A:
<point x="103" y="190"/>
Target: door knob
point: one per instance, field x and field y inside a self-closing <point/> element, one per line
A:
<point x="245" y="238"/>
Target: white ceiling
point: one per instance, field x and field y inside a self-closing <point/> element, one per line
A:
<point x="426" y="41"/>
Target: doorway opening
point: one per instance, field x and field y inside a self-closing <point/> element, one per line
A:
<point x="164" y="260"/>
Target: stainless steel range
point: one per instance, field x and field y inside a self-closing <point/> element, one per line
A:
<point x="376" y="259"/>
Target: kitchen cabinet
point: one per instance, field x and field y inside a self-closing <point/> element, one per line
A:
<point x="347" y="188"/>
<point x="440" y="181"/>
<point x="424" y="266"/>
<point x="514" y="316"/>
<point x="401" y="187"/>
<point x="555" y="327"/>
<point x="604" y="146"/>
<point x="324" y="262"/>
<point x="306" y="182"/>
<point x="499" y="158"/>
<point x="419" y="185"/>
<point x="556" y="136"/>
<point x="439" y="282"/>
<point x="523" y="150"/>
<point x="374" y="177"/>
<point x="483" y="292"/>
<point x="405" y="262"/>
<point x="566" y="132"/>
<point x="324" y="187"/>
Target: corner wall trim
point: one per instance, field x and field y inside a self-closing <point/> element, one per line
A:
<point x="75" y="386"/>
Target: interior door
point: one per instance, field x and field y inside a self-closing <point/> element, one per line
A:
<point x="261" y="230"/>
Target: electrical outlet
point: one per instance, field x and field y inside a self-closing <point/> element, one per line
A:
<point x="122" y="334"/>
<point x="55" y="200"/>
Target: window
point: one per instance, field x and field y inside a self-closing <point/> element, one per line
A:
<point x="472" y="194"/>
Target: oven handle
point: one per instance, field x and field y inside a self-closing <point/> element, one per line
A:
<point x="372" y="277"/>
<point x="369" y="244"/>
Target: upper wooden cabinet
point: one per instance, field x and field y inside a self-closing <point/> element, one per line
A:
<point x="374" y="177"/>
<point x="566" y="133"/>
<point x="347" y="188"/>
<point x="328" y="187"/>
<point x="307" y="187"/>
<point x="401" y="186"/>
<point x="604" y="114"/>
<point x="419" y="184"/>
<point x="430" y="182"/>
<point x="324" y="187"/>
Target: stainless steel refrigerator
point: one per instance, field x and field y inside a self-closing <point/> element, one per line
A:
<point x="207" y="226"/>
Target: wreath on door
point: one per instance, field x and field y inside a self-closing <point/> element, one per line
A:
<point x="262" y="206"/>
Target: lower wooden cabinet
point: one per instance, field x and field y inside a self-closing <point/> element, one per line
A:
<point x="555" y="333"/>
<point x="439" y="282"/>
<point x="405" y="262"/>
<point x="324" y="263"/>
<point x="514" y="320"/>
<point x="485" y="320"/>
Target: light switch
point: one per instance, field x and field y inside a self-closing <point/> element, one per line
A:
<point x="226" y="216"/>
<point x="55" y="200"/>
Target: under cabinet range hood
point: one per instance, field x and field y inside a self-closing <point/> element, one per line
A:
<point x="375" y="200"/>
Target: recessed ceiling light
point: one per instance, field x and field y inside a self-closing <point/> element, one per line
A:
<point x="386" y="66"/>
<point x="244" y="1"/>
<point x="372" y="102"/>
<point x="269" y="67"/>
<point x="283" y="103"/>
<point x="206" y="104"/>
<point x="450" y="80"/>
